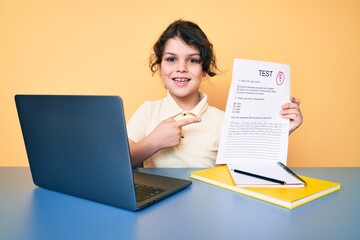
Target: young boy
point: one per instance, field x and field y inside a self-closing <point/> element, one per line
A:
<point x="182" y="130"/>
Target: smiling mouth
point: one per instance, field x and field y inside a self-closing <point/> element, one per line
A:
<point x="181" y="79"/>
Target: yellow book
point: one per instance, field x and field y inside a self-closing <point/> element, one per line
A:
<point x="285" y="197"/>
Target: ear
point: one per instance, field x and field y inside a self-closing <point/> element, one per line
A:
<point x="204" y="75"/>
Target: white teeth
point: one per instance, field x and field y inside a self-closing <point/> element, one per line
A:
<point x="181" y="80"/>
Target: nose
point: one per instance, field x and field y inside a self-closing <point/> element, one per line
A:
<point x="182" y="66"/>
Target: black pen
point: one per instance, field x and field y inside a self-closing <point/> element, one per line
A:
<point x="260" y="177"/>
<point x="291" y="172"/>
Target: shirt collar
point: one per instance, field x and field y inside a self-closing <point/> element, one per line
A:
<point x="174" y="109"/>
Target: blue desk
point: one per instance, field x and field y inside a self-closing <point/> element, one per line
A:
<point x="200" y="212"/>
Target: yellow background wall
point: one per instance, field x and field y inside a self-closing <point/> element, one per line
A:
<point x="102" y="47"/>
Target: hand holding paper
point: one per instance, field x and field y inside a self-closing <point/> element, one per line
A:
<point x="292" y="111"/>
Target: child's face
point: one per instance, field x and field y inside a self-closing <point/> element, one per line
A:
<point x="181" y="69"/>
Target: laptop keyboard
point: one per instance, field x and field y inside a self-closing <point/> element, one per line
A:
<point x="144" y="192"/>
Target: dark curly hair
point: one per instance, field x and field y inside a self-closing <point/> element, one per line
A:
<point x="192" y="35"/>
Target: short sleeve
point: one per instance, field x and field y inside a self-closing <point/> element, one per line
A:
<point x="136" y="126"/>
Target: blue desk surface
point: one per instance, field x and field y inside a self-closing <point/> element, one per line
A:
<point x="200" y="212"/>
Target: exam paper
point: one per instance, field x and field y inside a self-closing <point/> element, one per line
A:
<point x="253" y="127"/>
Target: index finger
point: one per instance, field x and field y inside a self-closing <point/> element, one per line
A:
<point x="187" y="121"/>
<point x="295" y="100"/>
<point x="295" y="103"/>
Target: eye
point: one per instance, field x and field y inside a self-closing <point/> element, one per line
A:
<point x="194" y="60"/>
<point x="170" y="59"/>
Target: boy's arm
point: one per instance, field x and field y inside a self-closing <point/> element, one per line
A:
<point x="166" y="135"/>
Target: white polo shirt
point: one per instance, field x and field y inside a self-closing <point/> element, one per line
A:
<point x="200" y="144"/>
